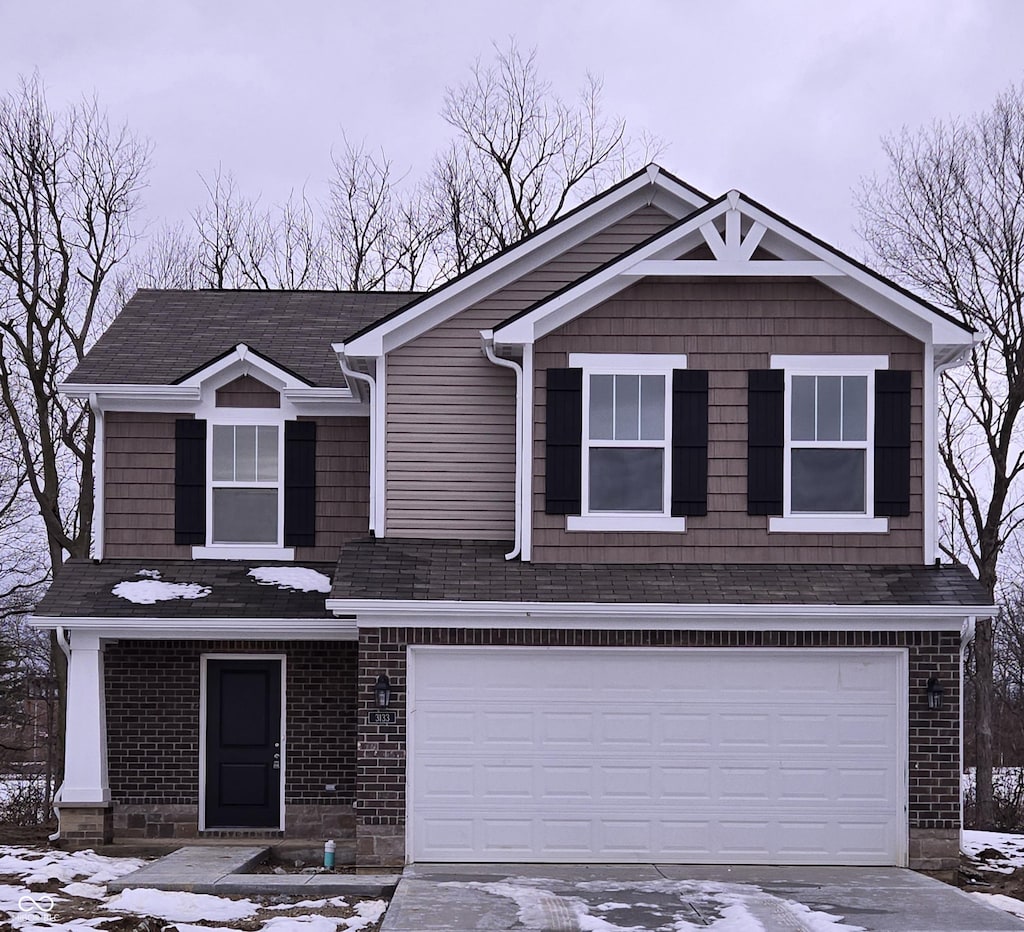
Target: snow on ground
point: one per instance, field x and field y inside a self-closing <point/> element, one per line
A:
<point x="33" y="865"/>
<point x="153" y="589"/>
<point x="1009" y="846"/>
<point x="177" y="906"/>
<point x="84" y="874"/>
<point x="730" y="907"/>
<point x="1006" y="903"/>
<point x="296" y="578"/>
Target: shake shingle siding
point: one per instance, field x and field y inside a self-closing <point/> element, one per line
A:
<point x="451" y="413"/>
<point x="139" y="492"/>
<point x="139" y="486"/>
<point x="728" y="328"/>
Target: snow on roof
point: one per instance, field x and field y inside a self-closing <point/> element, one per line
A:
<point x="152" y="589"/>
<point x="295" y="578"/>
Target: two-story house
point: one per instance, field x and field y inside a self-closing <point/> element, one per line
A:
<point x="619" y="547"/>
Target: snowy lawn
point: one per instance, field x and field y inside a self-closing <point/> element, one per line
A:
<point x="49" y="890"/>
<point x="997" y="857"/>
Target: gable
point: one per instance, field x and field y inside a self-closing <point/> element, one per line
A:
<point x="745" y="241"/>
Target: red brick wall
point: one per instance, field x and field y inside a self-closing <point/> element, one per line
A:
<point x="152" y="692"/>
<point x="934" y="780"/>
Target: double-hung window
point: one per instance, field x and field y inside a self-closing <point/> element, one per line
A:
<point x="829" y="443"/>
<point x="245" y="484"/>
<point x="626" y="442"/>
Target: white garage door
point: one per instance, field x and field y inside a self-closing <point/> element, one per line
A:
<point x="688" y="756"/>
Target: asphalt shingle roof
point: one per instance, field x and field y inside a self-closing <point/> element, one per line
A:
<point x="162" y="336"/>
<point x="85" y="589"/>
<point x="478" y="571"/>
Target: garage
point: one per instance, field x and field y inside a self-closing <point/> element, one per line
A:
<point x="701" y="755"/>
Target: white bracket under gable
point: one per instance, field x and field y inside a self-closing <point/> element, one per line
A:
<point x="735" y="247"/>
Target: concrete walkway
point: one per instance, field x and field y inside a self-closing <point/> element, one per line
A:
<point x="220" y="869"/>
<point x="561" y="898"/>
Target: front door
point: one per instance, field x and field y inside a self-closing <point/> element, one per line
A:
<point x="243" y="743"/>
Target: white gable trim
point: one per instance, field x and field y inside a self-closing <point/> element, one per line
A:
<point x="799" y="255"/>
<point x="652" y="187"/>
<point x="188" y="395"/>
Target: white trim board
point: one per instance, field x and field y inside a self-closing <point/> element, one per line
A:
<point x="648" y="187"/>
<point x="196" y="629"/>
<point x="412" y="613"/>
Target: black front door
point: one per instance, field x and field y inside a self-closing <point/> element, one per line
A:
<point x="243" y="743"/>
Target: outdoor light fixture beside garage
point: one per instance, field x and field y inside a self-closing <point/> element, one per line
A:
<point x="935" y="693"/>
<point x="383" y="691"/>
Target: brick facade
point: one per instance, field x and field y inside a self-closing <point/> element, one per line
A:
<point x="934" y="753"/>
<point x="152" y="696"/>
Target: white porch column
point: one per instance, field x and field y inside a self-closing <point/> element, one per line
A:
<point x="85" y="746"/>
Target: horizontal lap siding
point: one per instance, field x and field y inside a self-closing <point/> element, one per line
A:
<point x="451" y="415"/>
<point x="139" y="486"/>
<point x="728" y="328"/>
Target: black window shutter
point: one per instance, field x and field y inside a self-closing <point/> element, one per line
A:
<point x="892" y="443"/>
<point x="189" y="481"/>
<point x="689" y="442"/>
<point x="299" y="483"/>
<point x="564" y="444"/>
<point x="766" y="400"/>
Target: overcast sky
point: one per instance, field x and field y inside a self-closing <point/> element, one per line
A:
<point x="784" y="100"/>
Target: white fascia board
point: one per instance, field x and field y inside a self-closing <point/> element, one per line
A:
<point x="245" y="629"/>
<point x="406" y="613"/>
<point x="112" y="394"/>
<point x="798" y="253"/>
<point x="722" y="268"/>
<point x="651" y="187"/>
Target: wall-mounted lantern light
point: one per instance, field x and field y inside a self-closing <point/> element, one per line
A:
<point x="935" y="693"/>
<point x="383" y="691"/>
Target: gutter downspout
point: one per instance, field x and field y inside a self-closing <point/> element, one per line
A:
<point x="371" y="383"/>
<point x="99" y="470"/>
<point x="65" y="646"/>
<point x="487" y="338"/>
<point x="933" y="418"/>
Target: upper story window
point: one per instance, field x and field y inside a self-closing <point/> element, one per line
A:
<point x="245" y="484"/>
<point x="627" y="442"/>
<point x="625" y="449"/>
<point x="829" y="455"/>
<point x="245" y="476"/>
<point x="829" y="443"/>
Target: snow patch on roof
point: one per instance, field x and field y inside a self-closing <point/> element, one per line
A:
<point x="153" y="589"/>
<point x="296" y="578"/>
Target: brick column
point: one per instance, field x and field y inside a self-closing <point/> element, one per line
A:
<point x="380" y="754"/>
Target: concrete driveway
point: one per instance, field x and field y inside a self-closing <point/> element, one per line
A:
<point x="609" y="898"/>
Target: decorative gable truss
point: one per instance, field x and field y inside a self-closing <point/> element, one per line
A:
<point x="244" y="452"/>
<point x="734" y="237"/>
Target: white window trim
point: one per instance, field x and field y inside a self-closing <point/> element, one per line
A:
<point x="841" y="522"/>
<point x="626" y="364"/>
<point x="236" y="417"/>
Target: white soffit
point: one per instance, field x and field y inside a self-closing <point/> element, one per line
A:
<point x="650" y="187"/>
<point x="733" y="228"/>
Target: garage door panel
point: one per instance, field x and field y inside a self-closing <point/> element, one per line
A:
<point x="667" y="754"/>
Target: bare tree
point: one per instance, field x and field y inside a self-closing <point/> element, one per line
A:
<point x="69" y="186"/>
<point x="523" y="155"/>
<point x="948" y="219"/>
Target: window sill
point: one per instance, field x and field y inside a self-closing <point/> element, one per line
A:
<point x="625" y="522"/>
<point x="243" y="552"/>
<point x="829" y="524"/>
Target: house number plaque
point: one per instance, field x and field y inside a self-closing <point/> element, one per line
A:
<point x="382" y="718"/>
